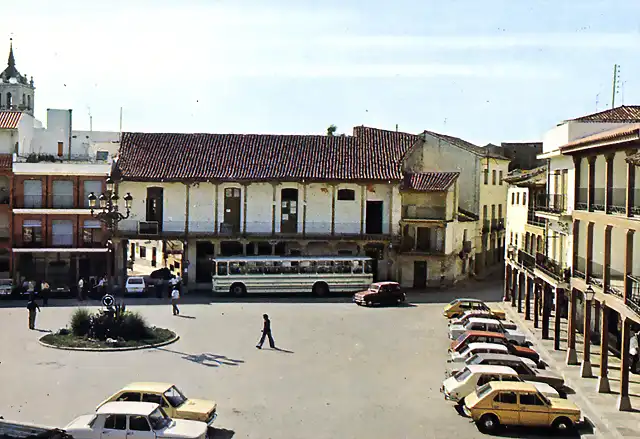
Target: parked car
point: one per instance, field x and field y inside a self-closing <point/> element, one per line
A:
<point x="170" y="398"/>
<point x="134" y="419"/>
<point x="477" y="348"/>
<point x="482" y="314"/>
<point x="457" y="307"/>
<point x="380" y="293"/>
<point x="525" y="368"/>
<point x="510" y="403"/>
<point x="494" y="337"/>
<point x="465" y="382"/>
<point x="135" y="285"/>
<point x="490" y="325"/>
<point x="6" y="287"/>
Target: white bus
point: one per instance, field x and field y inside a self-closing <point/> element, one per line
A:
<point x="319" y="275"/>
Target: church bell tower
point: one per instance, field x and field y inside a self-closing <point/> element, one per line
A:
<point x="16" y="91"/>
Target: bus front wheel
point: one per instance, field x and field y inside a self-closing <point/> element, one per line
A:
<point x="238" y="290"/>
<point x="320" y="289"/>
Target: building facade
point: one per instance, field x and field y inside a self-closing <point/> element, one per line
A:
<point x="588" y="272"/>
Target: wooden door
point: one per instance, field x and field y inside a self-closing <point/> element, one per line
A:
<point x="232" y="200"/>
<point x="419" y="274"/>
<point x="289" y="211"/>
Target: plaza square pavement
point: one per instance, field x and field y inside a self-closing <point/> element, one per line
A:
<point x="343" y="372"/>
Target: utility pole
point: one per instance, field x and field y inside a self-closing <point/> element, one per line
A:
<point x="616" y="80"/>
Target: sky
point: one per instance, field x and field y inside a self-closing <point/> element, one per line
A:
<point x="485" y="71"/>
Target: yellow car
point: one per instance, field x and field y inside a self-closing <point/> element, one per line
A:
<point x="457" y="307"/>
<point x="170" y="398"/>
<point x="517" y="403"/>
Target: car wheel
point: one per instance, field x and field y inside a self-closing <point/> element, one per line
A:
<point x="461" y="402"/>
<point x="562" y="425"/>
<point x="320" y="289"/>
<point x="488" y="423"/>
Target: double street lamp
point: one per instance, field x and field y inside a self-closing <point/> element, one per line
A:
<point x="109" y="215"/>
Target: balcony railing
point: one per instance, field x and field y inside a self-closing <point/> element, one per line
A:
<point x="615" y="281"/>
<point x="581" y="200"/>
<point x="580" y="268"/>
<point x="552" y="203"/>
<point x="597" y="274"/>
<point x="533" y="220"/>
<point x="527" y="260"/>
<point x="598" y="199"/>
<point x="618" y="202"/>
<point x="633" y="298"/>
<point x="424" y="213"/>
<point x="552" y="268"/>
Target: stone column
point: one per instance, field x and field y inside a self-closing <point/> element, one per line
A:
<point x="521" y="281"/>
<point x="585" y="369"/>
<point x="603" y="379"/>
<point x="536" y="305"/>
<point x="556" y="321"/>
<point x="546" y="310"/>
<point x="624" y="403"/>
<point x="507" y="281"/>
<point x="516" y="282"/>
<point x="572" y="357"/>
<point x="527" y="298"/>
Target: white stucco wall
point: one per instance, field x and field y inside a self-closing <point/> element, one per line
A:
<point x="173" y="210"/>
<point x="319" y="207"/>
<point x="598" y="244"/>
<point x="201" y="207"/>
<point x="556" y="164"/>
<point x="348" y="213"/>
<point x="516" y="217"/>
<point x="618" y="248"/>
<point x="490" y="194"/>
<point x="7" y="141"/>
<point x="555" y="138"/>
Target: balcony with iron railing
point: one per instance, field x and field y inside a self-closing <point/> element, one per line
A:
<point x="582" y="198"/>
<point x="617" y="202"/>
<point x="596" y="274"/>
<point x="615" y="281"/>
<point x="527" y="260"/>
<point x="412" y="212"/>
<point x="551" y="203"/>
<point x="552" y="268"/>
<point x="533" y="220"/>
<point x="580" y="268"/>
<point x="633" y="295"/>
<point x="599" y="202"/>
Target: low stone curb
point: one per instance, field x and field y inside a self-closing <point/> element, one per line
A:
<point x="605" y="429"/>
<point x="115" y="349"/>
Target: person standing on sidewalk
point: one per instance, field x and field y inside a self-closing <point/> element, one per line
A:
<point x="46" y="289"/>
<point x="32" y="306"/>
<point x="80" y="289"/>
<point x="634" y="351"/>
<point x="266" y="332"/>
<point x="175" y="296"/>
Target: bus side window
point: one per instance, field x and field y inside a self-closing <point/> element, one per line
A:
<point x="368" y="267"/>
<point x="295" y="267"/>
<point x="357" y="267"/>
<point x="222" y="269"/>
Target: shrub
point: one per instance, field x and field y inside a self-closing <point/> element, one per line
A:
<point x="133" y="327"/>
<point x="80" y="322"/>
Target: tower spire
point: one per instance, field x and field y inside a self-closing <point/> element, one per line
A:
<point x="12" y="60"/>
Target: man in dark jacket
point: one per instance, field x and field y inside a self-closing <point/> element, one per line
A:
<point x="32" y="306"/>
<point x="266" y="332"/>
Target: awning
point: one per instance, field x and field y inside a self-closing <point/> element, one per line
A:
<point x="59" y="250"/>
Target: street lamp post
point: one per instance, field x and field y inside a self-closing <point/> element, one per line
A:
<point x="108" y="214"/>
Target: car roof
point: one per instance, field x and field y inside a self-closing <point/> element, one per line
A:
<point x="142" y="386"/>
<point x="468" y="299"/>
<point x="502" y="357"/>
<point x="128" y="408"/>
<point x="483" y="320"/>
<point x="381" y="284"/>
<point x="135" y="277"/>
<point x="484" y="334"/>
<point x="496" y="346"/>
<point x="486" y="368"/>
<point x="512" y="385"/>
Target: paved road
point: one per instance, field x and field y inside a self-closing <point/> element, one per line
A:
<point x="351" y="372"/>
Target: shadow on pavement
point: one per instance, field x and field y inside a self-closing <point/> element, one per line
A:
<point x="282" y="350"/>
<point x="206" y="359"/>
<point x="221" y="433"/>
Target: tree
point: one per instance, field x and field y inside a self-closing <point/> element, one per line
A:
<point x="331" y="131"/>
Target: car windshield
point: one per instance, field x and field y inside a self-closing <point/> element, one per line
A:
<point x="175" y="397"/>
<point x="453" y="302"/>
<point x="544" y="398"/>
<point x="461" y="337"/>
<point x="159" y="419"/>
<point x="136" y="281"/>
<point x="5" y="282"/>
<point x="462" y="375"/>
<point x="474" y="359"/>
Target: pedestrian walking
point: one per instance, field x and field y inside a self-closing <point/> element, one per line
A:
<point x="175" y="296"/>
<point x="266" y="332"/>
<point x="31" y="289"/>
<point x="634" y="350"/>
<point x="32" y="306"/>
<point x="46" y="289"/>
<point x="81" y="289"/>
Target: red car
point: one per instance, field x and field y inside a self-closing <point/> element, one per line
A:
<point x="380" y="293"/>
<point x="493" y="337"/>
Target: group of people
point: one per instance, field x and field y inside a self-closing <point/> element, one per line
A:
<point x="37" y="288"/>
<point x="90" y="285"/>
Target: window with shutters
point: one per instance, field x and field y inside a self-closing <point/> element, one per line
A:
<point x="32" y="194"/>
<point x="62" y="233"/>
<point x="63" y="194"/>
<point x="90" y="186"/>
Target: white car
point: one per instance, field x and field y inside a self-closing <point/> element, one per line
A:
<point x="490" y="325"/>
<point x="135" y="285"/>
<point x="477" y="348"/>
<point x="508" y="324"/>
<point x="6" y="287"/>
<point x="457" y="387"/>
<point x="124" y="420"/>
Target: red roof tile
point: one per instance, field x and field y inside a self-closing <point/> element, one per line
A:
<point x="6" y="161"/>
<point x="369" y="154"/>
<point x="9" y="119"/>
<point x="623" y="114"/>
<point x="429" y="181"/>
